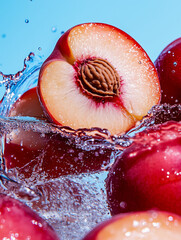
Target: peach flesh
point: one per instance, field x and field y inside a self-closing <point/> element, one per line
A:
<point x="147" y="174"/>
<point x="76" y="106"/>
<point x="19" y="222"/>
<point x="98" y="41"/>
<point x="150" y="225"/>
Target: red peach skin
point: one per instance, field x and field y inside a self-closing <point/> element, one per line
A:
<point x="19" y="222"/>
<point x="149" y="225"/>
<point x="147" y="174"/>
<point x="168" y="65"/>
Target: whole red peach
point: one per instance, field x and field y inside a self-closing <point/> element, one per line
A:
<point x="168" y="65"/>
<point x="149" y="225"/>
<point x="147" y="174"/>
<point x="19" y="222"/>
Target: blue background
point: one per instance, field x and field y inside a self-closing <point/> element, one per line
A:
<point x="35" y="25"/>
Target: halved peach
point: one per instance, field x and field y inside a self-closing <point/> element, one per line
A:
<point x="98" y="76"/>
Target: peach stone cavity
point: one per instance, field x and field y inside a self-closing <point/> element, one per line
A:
<point x="77" y="109"/>
<point x="99" y="78"/>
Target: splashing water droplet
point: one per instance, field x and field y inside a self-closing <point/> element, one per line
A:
<point x="39" y="48"/>
<point x="175" y="64"/>
<point x="62" y="32"/>
<point x="26" y="20"/>
<point x="54" y="29"/>
<point x="3" y="35"/>
<point x="123" y="205"/>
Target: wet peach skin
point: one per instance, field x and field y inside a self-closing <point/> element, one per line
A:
<point x="28" y="105"/>
<point x="19" y="222"/>
<point x="54" y="154"/>
<point x="168" y="65"/>
<point x="149" y="225"/>
<point x="58" y="156"/>
<point x="148" y="173"/>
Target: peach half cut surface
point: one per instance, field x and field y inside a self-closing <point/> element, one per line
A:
<point x="148" y="225"/>
<point x="98" y="76"/>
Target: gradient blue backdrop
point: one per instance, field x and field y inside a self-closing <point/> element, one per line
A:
<point x="28" y="25"/>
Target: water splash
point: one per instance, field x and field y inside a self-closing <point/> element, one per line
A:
<point x="72" y="203"/>
<point x="157" y="115"/>
<point x="75" y="202"/>
<point x="17" y="84"/>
